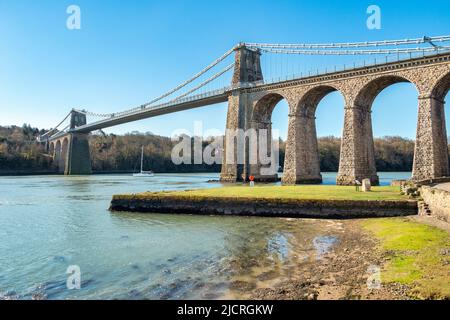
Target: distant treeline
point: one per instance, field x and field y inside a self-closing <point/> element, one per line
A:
<point x="19" y="152"/>
<point x="111" y="153"/>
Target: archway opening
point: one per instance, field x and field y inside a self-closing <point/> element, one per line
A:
<point x="329" y="123"/>
<point x="51" y="149"/>
<point x="393" y="105"/>
<point x="63" y="157"/>
<point x="280" y="116"/>
<point x="57" y="155"/>
<point x="270" y="122"/>
<point x="311" y="156"/>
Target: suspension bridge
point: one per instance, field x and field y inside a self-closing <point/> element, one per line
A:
<point x="251" y="98"/>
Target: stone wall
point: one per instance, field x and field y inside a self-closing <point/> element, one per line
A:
<point x="323" y="209"/>
<point x="438" y="202"/>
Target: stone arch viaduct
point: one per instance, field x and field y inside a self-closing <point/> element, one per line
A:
<point x="250" y="106"/>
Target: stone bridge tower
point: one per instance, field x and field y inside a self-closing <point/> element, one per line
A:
<point x="71" y="153"/>
<point x="247" y="74"/>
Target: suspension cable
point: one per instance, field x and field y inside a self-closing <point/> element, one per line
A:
<point x="357" y="52"/>
<point x="214" y="77"/>
<point x="55" y="128"/>
<point x="216" y="62"/>
<point x="144" y="106"/>
<point x="300" y="49"/>
<point x="177" y="88"/>
<point x="351" y="44"/>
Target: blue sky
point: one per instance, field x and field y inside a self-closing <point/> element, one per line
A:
<point x="126" y="53"/>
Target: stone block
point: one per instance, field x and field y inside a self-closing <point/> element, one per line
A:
<point x="366" y="185"/>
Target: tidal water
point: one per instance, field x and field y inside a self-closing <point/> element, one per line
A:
<point x="48" y="223"/>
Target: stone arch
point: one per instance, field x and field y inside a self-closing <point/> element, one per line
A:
<point x="263" y="108"/>
<point x="64" y="154"/>
<point x="441" y="88"/>
<point x="57" y="154"/>
<point x="302" y="164"/>
<point x="368" y="93"/>
<point x="307" y="105"/>
<point x="261" y="128"/>
<point x="430" y="154"/>
<point x="357" y="148"/>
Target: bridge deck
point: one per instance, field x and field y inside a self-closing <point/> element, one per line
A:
<point x="155" y="111"/>
<point x="221" y="95"/>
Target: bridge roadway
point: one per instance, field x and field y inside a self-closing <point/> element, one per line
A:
<point x="221" y="95"/>
<point x="197" y="101"/>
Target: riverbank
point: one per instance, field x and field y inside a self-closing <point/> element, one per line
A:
<point x="410" y="260"/>
<point x="274" y="201"/>
<point x="11" y="173"/>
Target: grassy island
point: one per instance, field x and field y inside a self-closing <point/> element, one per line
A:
<point x="306" y="192"/>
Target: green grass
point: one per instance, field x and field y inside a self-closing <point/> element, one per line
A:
<point x="306" y="192"/>
<point x="415" y="255"/>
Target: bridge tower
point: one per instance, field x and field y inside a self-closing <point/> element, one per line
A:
<point x="71" y="154"/>
<point x="247" y="73"/>
<point x="79" y="157"/>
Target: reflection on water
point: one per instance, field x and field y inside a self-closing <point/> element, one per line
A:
<point x="279" y="245"/>
<point x="323" y="245"/>
<point x="51" y="222"/>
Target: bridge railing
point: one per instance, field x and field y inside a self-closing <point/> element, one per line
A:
<point x="174" y="102"/>
<point x="169" y="104"/>
<point x="351" y="66"/>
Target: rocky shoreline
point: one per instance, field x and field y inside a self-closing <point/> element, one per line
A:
<point x="341" y="274"/>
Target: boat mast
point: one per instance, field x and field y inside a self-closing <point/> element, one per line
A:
<point x="142" y="158"/>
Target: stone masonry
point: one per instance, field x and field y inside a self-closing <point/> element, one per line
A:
<point x="251" y="106"/>
<point x="71" y="154"/>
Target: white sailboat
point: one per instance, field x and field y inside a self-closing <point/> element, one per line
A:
<point x="143" y="173"/>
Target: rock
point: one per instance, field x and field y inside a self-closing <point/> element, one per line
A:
<point x="366" y="185"/>
<point x="135" y="266"/>
<point x="242" y="286"/>
<point x="59" y="259"/>
<point x="9" y="295"/>
<point x="398" y="183"/>
<point x="38" y="296"/>
<point x="312" y="296"/>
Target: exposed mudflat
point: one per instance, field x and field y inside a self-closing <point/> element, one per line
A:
<point x="338" y="268"/>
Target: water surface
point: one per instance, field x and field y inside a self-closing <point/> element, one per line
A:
<point x="49" y="223"/>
